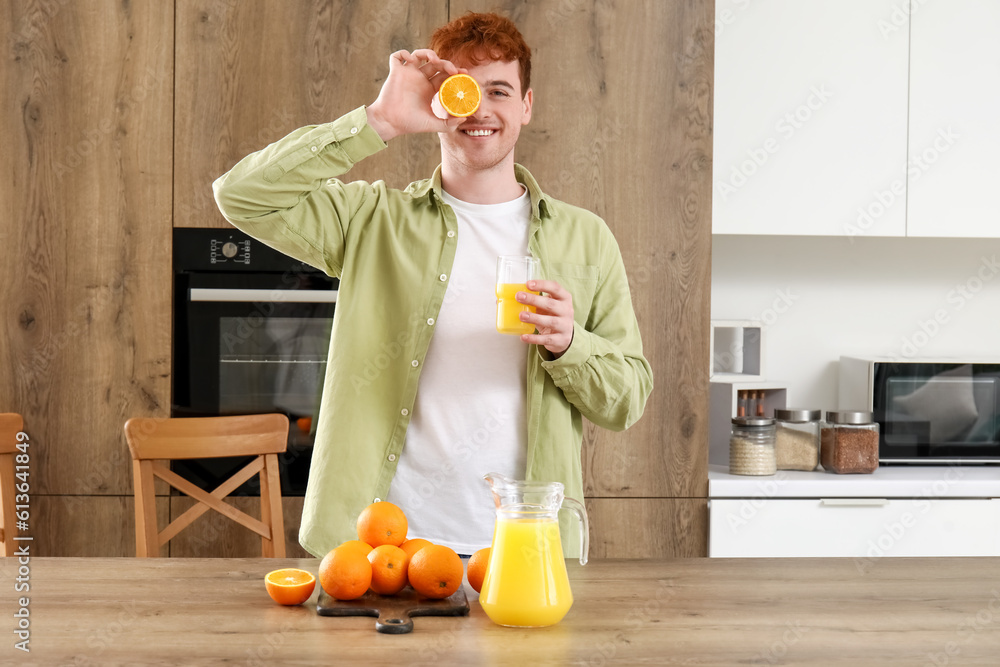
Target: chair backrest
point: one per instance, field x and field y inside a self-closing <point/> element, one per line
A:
<point x="154" y="442"/>
<point x="10" y="425"/>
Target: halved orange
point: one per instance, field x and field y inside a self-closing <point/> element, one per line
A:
<point x="460" y="95"/>
<point x="290" y="585"/>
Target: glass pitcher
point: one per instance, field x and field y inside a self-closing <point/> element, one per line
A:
<point x="526" y="583"/>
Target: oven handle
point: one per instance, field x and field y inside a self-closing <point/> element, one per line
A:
<point x="263" y="295"/>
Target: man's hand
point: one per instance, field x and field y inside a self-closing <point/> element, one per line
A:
<point x="403" y="105"/>
<point x="553" y="317"/>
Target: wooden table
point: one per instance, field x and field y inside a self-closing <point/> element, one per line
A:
<point x="106" y="611"/>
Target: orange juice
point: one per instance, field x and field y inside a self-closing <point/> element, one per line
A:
<point x="526" y="583"/>
<point x="509" y="310"/>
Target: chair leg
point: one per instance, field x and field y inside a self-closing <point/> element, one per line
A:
<point x="146" y="532"/>
<point x="7" y="526"/>
<point x="270" y="508"/>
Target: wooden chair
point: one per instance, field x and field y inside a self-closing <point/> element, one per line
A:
<point x="154" y="442"/>
<point x="10" y="425"/>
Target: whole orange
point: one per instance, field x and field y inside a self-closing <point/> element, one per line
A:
<point x="382" y="523"/>
<point x="345" y="573"/>
<point x="435" y="571"/>
<point x="289" y="586"/>
<point x="388" y="569"/>
<point x="413" y="546"/>
<point x="476" y="568"/>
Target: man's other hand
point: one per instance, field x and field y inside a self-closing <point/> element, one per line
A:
<point x="553" y="317"/>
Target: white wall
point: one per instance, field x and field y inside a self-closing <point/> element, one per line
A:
<point x="823" y="297"/>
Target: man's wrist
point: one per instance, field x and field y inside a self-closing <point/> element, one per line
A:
<point x="384" y="130"/>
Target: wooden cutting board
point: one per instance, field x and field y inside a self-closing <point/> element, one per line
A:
<point x="394" y="613"/>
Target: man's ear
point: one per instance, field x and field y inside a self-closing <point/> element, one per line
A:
<point x="528" y="97"/>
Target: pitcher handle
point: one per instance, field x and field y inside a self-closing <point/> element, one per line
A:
<point x="581" y="512"/>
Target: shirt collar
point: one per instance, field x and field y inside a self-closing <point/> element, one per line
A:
<point x="539" y="200"/>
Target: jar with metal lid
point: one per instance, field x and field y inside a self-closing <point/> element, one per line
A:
<point x="796" y="438"/>
<point x="751" y="446"/>
<point x="849" y="441"/>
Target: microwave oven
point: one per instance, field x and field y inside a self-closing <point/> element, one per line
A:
<point x="929" y="412"/>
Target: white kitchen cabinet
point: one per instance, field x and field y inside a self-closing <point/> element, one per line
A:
<point x="954" y="137"/>
<point x="861" y="528"/>
<point x="810" y="117"/>
<point x="895" y="511"/>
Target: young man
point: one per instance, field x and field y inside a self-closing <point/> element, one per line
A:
<point x="422" y="396"/>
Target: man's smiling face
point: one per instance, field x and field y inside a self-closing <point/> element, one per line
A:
<point x="487" y="138"/>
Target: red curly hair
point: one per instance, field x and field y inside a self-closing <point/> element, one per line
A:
<point x="477" y="37"/>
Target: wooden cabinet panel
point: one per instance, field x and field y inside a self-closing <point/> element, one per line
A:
<point x="84" y="285"/>
<point x="86" y="525"/>
<point x="621" y="125"/>
<point x="214" y="536"/>
<point x="250" y="72"/>
<point x="648" y="527"/>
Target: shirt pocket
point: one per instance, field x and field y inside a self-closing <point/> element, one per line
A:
<point x="581" y="281"/>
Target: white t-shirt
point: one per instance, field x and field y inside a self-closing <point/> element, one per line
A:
<point x="469" y="415"/>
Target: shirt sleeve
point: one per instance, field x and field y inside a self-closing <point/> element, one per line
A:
<point x="603" y="373"/>
<point x="287" y="196"/>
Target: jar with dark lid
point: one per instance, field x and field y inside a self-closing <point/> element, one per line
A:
<point x="849" y="442"/>
<point x="751" y="446"/>
<point x="796" y="438"/>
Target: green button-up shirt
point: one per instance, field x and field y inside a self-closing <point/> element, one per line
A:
<point x="393" y="252"/>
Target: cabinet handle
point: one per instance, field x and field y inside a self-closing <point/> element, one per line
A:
<point x="854" y="502"/>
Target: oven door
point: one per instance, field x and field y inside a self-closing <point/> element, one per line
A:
<point x="252" y="343"/>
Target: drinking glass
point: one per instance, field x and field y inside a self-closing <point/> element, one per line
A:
<point x="513" y="273"/>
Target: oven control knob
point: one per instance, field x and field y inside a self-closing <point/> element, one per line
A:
<point x="229" y="249"/>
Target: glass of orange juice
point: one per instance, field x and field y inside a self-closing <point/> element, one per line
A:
<point x="513" y="274"/>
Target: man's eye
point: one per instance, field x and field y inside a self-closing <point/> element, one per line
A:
<point x="502" y="93"/>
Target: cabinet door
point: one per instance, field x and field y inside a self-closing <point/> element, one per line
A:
<point x="810" y="118"/>
<point x="853" y="527"/>
<point x="954" y="143"/>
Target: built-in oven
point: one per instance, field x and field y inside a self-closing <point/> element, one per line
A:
<point x="251" y="334"/>
<point x="929" y="411"/>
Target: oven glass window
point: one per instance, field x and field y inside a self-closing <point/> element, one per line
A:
<point x="272" y="364"/>
<point x="942" y="408"/>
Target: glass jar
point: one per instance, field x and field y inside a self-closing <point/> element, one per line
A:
<point x="751" y="446"/>
<point x="796" y="438"/>
<point x="849" y="441"/>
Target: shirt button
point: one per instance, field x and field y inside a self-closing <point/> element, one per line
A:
<point x="314" y="149"/>
<point x="404" y="412"/>
<point x="451" y="233"/>
<point x="377" y="500"/>
<point x="442" y="277"/>
<point x="430" y="321"/>
<point x="414" y="363"/>
<point x="354" y="130"/>
<point x="392" y="457"/>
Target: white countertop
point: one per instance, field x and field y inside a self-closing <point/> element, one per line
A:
<point x="886" y="482"/>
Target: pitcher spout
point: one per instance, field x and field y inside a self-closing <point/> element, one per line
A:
<point x="499" y="483"/>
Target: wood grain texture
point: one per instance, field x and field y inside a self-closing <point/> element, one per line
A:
<point x="648" y="527"/>
<point x="85" y="281"/>
<point x="808" y="612"/>
<point x="86" y="525"/>
<point x="621" y="125"/>
<point x="250" y="72"/>
<point x="213" y="535"/>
